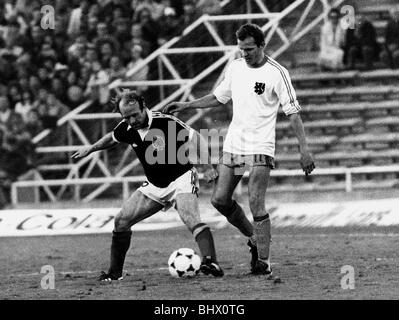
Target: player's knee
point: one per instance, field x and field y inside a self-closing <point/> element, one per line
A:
<point x="121" y="223"/>
<point x="220" y="204"/>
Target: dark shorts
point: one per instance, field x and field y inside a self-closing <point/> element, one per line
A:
<point x="232" y="160"/>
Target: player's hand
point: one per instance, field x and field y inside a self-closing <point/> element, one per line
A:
<point x="81" y="153"/>
<point x="307" y="163"/>
<point x="210" y="174"/>
<point x="174" y="107"/>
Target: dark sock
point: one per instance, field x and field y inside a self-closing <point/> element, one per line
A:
<point x="237" y="218"/>
<point x="203" y="237"/>
<point x="120" y="245"/>
<point x="262" y="233"/>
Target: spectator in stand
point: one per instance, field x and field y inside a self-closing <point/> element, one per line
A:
<point x="35" y="85"/>
<point x="36" y="38"/>
<point x="33" y="123"/>
<point x="85" y="73"/>
<point x="122" y="32"/>
<point x="5" y="111"/>
<point x="190" y="14"/>
<point x="106" y="53"/>
<point x="15" y="36"/>
<point x="44" y="77"/>
<point x="104" y="36"/>
<point x="23" y="83"/>
<point x="14" y="94"/>
<point x="332" y="40"/>
<point x="141" y="74"/>
<point x="55" y="108"/>
<point x="155" y="8"/>
<point x="40" y="104"/>
<point x="390" y="54"/>
<point x="18" y="147"/>
<point x="58" y="88"/>
<point x="170" y="26"/>
<point x="91" y="33"/>
<point x="94" y="10"/>
<point x="210" y="7"/>
<point x="149" y="27"/>
<point x="137" y="39"/>
<point x="361" y="44"/>
<point x="75" y="96"/>
<point x="76" y="20"/>
<point x="97" y="87"/>
<point x="25" y="106"/>
<point x="76" y="52"/>
<point x="35" y="17"/>
<point x="107" y="8"/>
<point x="72" y="78"/>
<point x="116" y="70"/>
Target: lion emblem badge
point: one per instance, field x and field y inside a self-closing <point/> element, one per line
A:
<point x="259" y="88"/>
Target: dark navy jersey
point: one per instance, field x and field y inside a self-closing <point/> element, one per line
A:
<point x="160" y="148"/>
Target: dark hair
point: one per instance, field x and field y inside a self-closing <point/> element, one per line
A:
<point x="126" y="96"/>
<point x="251" y="30"/>
<point x="336" y="11"/>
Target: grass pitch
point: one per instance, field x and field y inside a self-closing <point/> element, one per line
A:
<point x="306" y="263"/>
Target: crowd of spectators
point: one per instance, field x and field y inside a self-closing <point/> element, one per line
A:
<point x="356" y="46"/>
<point x="46" y="71"/>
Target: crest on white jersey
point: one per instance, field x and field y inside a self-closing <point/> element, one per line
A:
<point x="259" y="87"/>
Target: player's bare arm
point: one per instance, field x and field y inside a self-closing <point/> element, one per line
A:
<point x="208" y="101"/>
<point x="307" y="161"/>
<point x="105" y="142"/>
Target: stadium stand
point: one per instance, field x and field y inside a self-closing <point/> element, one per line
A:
<point x="350" y="116"/>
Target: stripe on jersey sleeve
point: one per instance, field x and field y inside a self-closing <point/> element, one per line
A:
<point x="286" y="82"/>
<point x="169" y="116"/>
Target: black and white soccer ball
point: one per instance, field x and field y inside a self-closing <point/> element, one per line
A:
<point x="184" y="263"/>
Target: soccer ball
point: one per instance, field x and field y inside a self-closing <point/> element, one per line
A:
<point x="184" y="263"/>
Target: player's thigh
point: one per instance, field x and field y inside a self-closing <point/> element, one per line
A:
<point x="188" y="208"/>
<point x="225" y="183"/>
<point x="138" y="207"/>
<point x="257" y="185"/>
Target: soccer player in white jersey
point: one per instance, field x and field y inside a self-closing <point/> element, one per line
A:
<point x="158" y="141"/>
<point x="257" y="86"/>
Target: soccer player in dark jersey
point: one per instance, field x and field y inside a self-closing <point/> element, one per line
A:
<point x="161" y="143"/>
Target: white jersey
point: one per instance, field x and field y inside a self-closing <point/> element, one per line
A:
<point x="256" y="94"/>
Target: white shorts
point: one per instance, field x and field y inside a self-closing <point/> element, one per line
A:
<point x="186" y="183"/>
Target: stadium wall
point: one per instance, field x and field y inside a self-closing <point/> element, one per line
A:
<point x="381" y="213"/>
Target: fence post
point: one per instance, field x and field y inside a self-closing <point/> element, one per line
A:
<point x="125" y="185"/>
<point x="160" y="76"/>
<point x="77" y="188"/>
<point x="249" y="9"/>
<point x="104" y="132"/>
<point x="14" y="196"/>
<point x="348" y="180"/>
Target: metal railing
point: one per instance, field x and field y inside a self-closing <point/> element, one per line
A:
<point x="348" y="173"/>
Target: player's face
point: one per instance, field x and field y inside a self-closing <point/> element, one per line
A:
<point x="132" y="113"/>
<point x="252" y="54"/>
